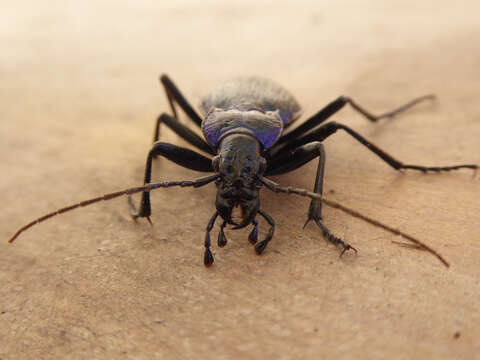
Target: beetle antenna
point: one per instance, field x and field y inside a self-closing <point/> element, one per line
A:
<point x="302" y="192"/>
<point x="147" y="187"/>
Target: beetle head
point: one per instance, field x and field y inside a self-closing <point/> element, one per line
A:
<point x="239" y="163"/>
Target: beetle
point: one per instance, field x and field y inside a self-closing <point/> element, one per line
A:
<point x="246" y="127"/>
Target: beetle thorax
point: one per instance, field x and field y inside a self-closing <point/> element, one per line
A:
<point x="265" y="126"/>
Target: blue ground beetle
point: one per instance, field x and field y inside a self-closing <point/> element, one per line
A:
<point x="246" y="127"/>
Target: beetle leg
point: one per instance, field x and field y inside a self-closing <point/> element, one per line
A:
<point x="253" y="236"/>
<point x="183" y="131"/>
<point x="208" y="256"/>
<point x="222" y="239"/>
<point x="326" y="130"/>
<point x="259" y="247"/>
<point x="337" y="105"/>
<point x="175" y="96"/>
<point x="181" y="156"/>
<point x="388" y="114"/>
<point x="310" y="123"/>
<point x="292" y="160"/>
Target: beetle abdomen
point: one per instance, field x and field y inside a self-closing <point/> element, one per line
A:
<point x="255" y="92"/>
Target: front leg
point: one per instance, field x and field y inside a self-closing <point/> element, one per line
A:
<point x="291" y="160"/>
<point x="181" y="156"/>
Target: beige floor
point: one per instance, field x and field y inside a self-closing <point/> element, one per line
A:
<point x="79" y="95"/>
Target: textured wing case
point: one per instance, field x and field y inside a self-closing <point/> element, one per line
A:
<point x="254" y="92"/>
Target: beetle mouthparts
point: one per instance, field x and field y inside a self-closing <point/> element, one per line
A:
<point x="237" y="213"/>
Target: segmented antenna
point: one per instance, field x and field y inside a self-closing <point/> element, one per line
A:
<point x="146" y="187"/>
<point x="302" y="192"/>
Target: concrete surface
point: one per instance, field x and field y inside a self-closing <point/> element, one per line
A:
<point x="79" y="95"/>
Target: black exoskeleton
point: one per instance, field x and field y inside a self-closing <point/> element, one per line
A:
<point x="245" y="124"/>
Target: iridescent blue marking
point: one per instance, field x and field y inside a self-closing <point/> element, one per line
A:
<point x="266" y="127"/>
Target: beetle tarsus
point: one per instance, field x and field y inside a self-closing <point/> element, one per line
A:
<point x="208" y="258"/>
<point x="222" y="239"/>
<point x="334" y="239"/>
<point x="426" y="169"/>
<point x="261" y="246"/>
<point x="253" y="236"/>
<point x="136" y="214"/>
<point x="142" y="212"/>
<point x="307" y="221"/>
<point x="347" y="247"/>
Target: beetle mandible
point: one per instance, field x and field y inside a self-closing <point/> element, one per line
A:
<point x="246" y="128"/>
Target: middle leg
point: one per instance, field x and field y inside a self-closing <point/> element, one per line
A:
<point x="291" y="160"/>
<point x="328" y="129"/>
